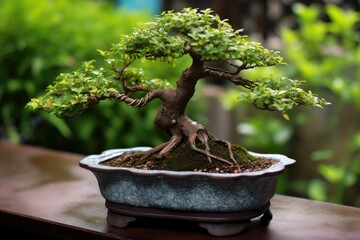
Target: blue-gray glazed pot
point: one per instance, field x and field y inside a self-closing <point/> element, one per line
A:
<point x="185" y="190"/>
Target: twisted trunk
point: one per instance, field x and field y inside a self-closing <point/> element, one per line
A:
<point x="175" y="100"/>
<point x="171" y="118"/>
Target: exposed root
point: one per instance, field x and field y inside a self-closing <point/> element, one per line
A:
<point x="174" y="141"/>
<point x="195" y="133"/>
<point x="207" y="153"/>
<point x="158" y="151"/>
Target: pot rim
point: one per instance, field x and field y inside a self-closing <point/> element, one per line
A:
<point x="92" y="163"/>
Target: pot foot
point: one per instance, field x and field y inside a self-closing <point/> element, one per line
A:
<point x="223" y="229"/>
<point x="119" y="220"/>
<point x="266" y="217"/>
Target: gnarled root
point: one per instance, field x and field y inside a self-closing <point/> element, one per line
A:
<point x="164" y="148"/>
<point x="194" y="132"/>
<point x="158" y="151"/>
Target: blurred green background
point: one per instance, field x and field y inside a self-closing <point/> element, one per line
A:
<point x="40" y="39"/>
<point x="323" y="49"/>
<point x="319" y="41"/>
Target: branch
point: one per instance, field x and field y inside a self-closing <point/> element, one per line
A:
<point x="121" y="76"/>
<point x="136" y="102"/>
<point x="245" y="66"/>
<point x="264" y="106"/>
<point x="219" y="73"/>
<point x="238" y="67"/>
<point x="137" y="88"/>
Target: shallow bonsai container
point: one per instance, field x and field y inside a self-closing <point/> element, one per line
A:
<point x="212" y="199"/>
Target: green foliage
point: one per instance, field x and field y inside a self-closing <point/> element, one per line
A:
<point x="41" y="39"/>
<point x="136" y="77"/>
<point x="71" y="91"/>
<point x="280" y="94"/>
<point x="172" y="35"/>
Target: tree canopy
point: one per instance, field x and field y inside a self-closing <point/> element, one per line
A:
<point x="198" y="33"/>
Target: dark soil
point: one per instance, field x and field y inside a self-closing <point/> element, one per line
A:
<point x="183" y="158"/>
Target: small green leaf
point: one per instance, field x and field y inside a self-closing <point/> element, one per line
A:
<point x="286" y="116"/>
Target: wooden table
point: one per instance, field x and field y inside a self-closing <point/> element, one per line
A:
<point x="46" y="194"/>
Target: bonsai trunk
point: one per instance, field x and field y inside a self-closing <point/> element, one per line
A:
<point x="171" y="118"/>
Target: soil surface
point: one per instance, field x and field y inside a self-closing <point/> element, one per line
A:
<point x="183" y="158"/>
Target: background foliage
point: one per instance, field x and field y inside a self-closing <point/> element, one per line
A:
<point x="40" y="39"/>
<point x="323" y="50"/>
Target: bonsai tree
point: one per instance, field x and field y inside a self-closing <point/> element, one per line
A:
<point x="204" y="37"/>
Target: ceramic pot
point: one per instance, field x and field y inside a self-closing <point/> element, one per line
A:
<point x="212" y="199"/>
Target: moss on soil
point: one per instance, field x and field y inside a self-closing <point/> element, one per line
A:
<point x="183" y="158"/>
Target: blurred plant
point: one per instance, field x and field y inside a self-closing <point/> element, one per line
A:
<point x="40" y="39"/>
<point x="324" y="50"/>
